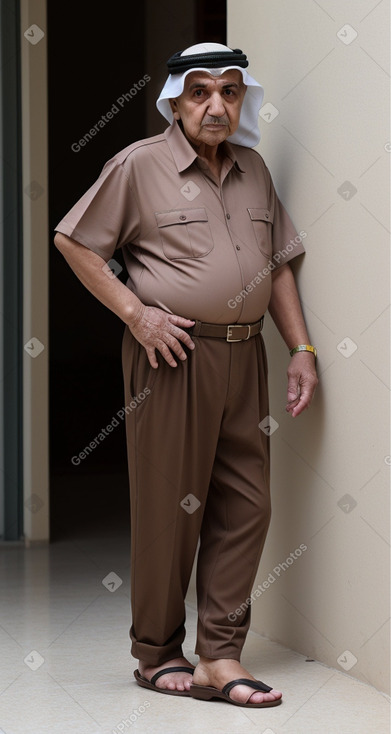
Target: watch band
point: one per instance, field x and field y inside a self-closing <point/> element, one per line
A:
<point x="303" y="348"/>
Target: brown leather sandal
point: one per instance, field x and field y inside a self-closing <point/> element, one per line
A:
<point x="206" y="693"/>
<point x="141" y="681"/>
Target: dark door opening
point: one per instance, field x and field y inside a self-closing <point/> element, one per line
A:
<point x="94" y="58"/>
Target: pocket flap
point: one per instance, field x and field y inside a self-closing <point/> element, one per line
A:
<point x="181" y="216"/>
<point x="263" y="215"/>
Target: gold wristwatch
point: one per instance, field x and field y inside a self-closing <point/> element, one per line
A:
<point x="303" y="348"/>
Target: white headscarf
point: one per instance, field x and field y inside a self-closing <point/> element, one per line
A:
<point x="248" y="133"/>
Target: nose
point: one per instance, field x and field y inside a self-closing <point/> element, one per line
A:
<point x="216" y="107"/>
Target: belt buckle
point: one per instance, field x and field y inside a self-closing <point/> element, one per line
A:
<point x="237" y="326"/>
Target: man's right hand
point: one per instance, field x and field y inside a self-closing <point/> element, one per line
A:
<point x="152" y="327"/>
<point x="156" y="329"/>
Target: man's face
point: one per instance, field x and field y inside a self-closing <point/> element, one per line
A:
<point x="209" y="107"/>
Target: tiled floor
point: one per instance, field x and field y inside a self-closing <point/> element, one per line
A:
<point x="66" y="667"/>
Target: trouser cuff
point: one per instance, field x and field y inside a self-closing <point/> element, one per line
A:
<point x="155" y="654"/>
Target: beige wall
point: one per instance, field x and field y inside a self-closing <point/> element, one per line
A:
<point x="332" y="127"/>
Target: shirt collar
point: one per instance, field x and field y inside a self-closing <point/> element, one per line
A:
<point x="184" y="154"/>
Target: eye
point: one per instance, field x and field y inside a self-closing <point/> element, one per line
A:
<point x="198" y="92"/>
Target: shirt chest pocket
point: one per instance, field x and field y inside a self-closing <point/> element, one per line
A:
<point x="262" y="221"/>
<point x="184" y="233"/>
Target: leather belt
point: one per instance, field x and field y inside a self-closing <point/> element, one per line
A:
<point x="229" y="332"/>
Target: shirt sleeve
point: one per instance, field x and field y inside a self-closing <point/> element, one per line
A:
<point x="106" y="217"/>
<point x="287" y="243"/>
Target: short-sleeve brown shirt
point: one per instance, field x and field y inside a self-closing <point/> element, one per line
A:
<point x="194" y="246"/>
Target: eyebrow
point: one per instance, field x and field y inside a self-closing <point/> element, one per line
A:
<point x="203" y="85"/>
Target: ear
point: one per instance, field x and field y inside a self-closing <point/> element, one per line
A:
<point x="174" y="108"/>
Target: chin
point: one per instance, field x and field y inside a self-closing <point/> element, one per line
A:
<point x="213" y="138"/>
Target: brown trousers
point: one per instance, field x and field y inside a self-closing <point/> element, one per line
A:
<point x="198" y="470"/>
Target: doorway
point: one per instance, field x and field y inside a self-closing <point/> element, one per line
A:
<point x="91" y="65"/>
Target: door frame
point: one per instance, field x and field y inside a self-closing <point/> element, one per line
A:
<point x="34" y="102"/>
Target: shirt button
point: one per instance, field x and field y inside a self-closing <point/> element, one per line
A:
<point x="238" y="247"/>
<point x="182" y="216"/>
<point x="266" y="216"/>
<point x="228" y="216"/>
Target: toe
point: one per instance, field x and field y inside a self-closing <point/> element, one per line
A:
<point x="259" y="697"/>
<point x="166" y="682"/>
<point x="173" y="682"/>
<point x="272" y="695"/>
<point x="244" y="694"/>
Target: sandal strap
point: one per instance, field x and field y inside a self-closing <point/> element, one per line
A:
<point x="257" y="684"/>
<point x="175" y="669"/>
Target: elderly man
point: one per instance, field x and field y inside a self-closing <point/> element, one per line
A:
<point x="206" y="243"/>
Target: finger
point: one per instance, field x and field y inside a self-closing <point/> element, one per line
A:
<point x="177" y="322"/>
<point x="292" y="404"/>
<point x="180" y="320"/>
<point x="167" y="354"/>
<point x="183" y="336"/>
<point x="293" y="389"/>
<point x="297" y="410"/>
<point x="176" y="347"/>
<point x="304" y="402"/>
<point x="152" y="357"/>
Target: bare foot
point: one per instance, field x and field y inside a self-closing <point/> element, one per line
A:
<point x="170" y="681"/>
<point x="218" y="673"/>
